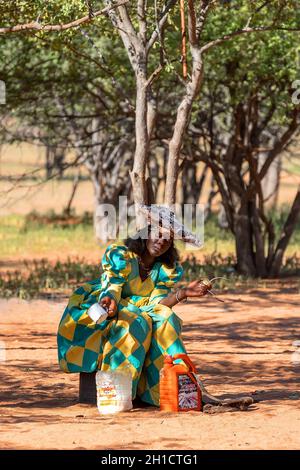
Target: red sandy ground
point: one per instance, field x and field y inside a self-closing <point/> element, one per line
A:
<point x="244" y="347"/>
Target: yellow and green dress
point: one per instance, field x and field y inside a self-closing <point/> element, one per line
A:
<point x="140" y="334"/>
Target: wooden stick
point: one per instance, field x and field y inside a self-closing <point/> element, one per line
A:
<point x="214" y="295"/>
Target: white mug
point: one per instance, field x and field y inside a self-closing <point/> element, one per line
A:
<point x="97" y="313"/>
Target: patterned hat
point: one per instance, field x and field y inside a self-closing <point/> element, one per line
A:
<point x="162" y="216"/>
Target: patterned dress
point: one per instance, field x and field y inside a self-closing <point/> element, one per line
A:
<point x="140" y="334"/>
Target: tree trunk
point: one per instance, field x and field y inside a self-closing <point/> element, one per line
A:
<point x="222" y="218"/>
<point x="58" y="163"/>
<point x="105" y="214"/>
<point x="182" y="120"/>
<point x="100" y="224"/>
<point x="286" y="234"/>
<point x="270" y="183"/>
<point x="73" y="192"/>
<point x="211" y="195"/>
<point x="260" y="259"/>
<point x="191" y="187"/>
<point x="243" y="242"/>
<point x="49" y="164"/>
<point x="138" y="173"/>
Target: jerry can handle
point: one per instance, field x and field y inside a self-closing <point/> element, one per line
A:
<point x="186" y="360"/>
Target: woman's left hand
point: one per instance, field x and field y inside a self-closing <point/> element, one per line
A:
<point x="196" y="289"/>
<point x="110" y="305"/>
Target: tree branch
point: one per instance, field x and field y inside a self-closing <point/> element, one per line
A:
<point x="163" y="18"/>
<point x="154" y="75"/>
<point x="201" y="17"/>
<point x="35" y="25"/>
<point x="280" y="145"/>
<point x="127" y="33"/>
<point x="246" y="30"/>
<point x="142" y="21"/>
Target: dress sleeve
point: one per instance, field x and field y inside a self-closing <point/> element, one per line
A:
<point x="167" y="278"/>
<point x="116" y="269"/>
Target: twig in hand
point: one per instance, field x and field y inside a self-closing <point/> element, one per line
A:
<point x="217" y="298"/>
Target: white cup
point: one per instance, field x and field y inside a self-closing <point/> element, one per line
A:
<point x="97" y="313"/>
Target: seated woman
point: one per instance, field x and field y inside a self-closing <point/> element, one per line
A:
<point x="135" y="288"/>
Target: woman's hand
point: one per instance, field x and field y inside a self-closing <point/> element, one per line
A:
<point x="196" y="289"/>
<point x="110" y="305"/>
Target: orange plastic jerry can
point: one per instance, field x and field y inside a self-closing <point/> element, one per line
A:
<point x="178" y="388"/>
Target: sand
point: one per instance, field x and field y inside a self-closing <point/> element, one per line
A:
<point x="244" y="347"/>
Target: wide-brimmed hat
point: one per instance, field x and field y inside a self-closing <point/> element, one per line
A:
<point x="165" y="218"/>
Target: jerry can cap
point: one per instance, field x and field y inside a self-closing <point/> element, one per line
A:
<point x="168" y="359"/>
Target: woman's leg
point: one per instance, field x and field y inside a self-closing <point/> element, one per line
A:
<point x="166" y="339"/>
<point x="127" y="343"/>
<point x="78" y="337"/>
<point x="84" y="346"/>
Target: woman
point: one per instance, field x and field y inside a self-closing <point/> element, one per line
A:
<point x="135" y="288"/>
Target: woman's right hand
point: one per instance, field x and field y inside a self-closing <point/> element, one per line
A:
<point x="196" y="289"/>
<point x="110" y="305"/>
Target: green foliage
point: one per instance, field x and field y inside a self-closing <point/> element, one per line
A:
<point x="51" y="11"/>
<point x="40" y="278"/>
<point x="40" y="66"/>
<point x="46" y="279"/>
<point x="88" y="75"/>
<point x="264" y="61"/>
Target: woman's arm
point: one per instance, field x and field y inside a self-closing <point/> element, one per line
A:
<point x="194" y="289"/>
<point x="116" y="269"/>
<point x="171" y="299"/>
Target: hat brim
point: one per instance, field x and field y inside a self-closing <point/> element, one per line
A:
<point x="163" y="219"/>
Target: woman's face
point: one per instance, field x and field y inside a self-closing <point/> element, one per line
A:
<point x="157" y="246"/>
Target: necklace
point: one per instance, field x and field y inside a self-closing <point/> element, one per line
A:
<point x="146" y="269"/>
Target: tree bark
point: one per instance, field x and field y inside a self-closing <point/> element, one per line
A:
<point x="138" y="173"/>
<point x="260" y="259"/>
<point x="182" y="120"/>
<point x="73" y="192"/>
<point x="270" y="183"/>
<point x="243" y="242"/>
